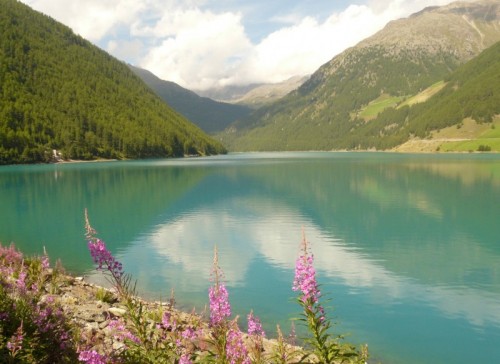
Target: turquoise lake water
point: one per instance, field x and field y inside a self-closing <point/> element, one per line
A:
<point x="406" y="246"/>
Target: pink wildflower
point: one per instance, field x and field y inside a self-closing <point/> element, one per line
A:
<point x="21" y="281"/>
<point x="44" y="317"/>
<point x="92" y="357"/>
<point x="189" y="333"/>
<point x="236" y="350"/>
<point x="305" y="276"/>
<point x="10" y="255"/>
<point x="167" y="321"/>
<point x="220" y="309"/>
<point x="121" y="332"/>
<point x="104" y="259"/>
<point x="15" y="343"/>
<point x="254" y="325"/>
<point x="184" y="359"/>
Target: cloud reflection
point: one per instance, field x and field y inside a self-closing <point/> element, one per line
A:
<point x="181" y="251"/>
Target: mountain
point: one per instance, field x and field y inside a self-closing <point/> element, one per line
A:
<point x="400" y="61"/>
<point x="471" y="94"/>
<point x="229" y="93"/>
<point x="268" y="93"/>
<point x="255" y="95"/>
<point x="58" y="91"/>
<point x="211" y="116"/>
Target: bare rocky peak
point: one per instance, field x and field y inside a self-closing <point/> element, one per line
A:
<point x="461" y="30"/>
<point x="268" y="93"/>
<point x="254" y="95"/>
<point x="465" y="27"/>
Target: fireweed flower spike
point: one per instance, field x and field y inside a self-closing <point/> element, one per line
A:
<point x="305" y="275"/>
<point x="256" y="338"/>
<point x="236" y="350"/>
<point x="326" y="349"/>
<point x="15" y="343"/>
<point x="313" y="313"/>
<point x="254" y="325"/>
<point x="103" y="258"/>
<point x="92" y="357"/>
<point x="220" y="309"/>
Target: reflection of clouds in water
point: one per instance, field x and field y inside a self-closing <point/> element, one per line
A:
<point x="336" y="260"/>
<point x="333" y="258"/>
<point x="183" y="252"/>
<point x="190" y="240"/>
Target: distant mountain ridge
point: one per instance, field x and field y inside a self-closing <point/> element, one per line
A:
<point x="211" y="116"/>
<point x="255" y="95"/>
<point x="401" y="60"/>
<point x="60" y="92"/>
<point x="269" y="93"/>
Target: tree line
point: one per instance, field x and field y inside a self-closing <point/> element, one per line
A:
<point x="58" y="91"/>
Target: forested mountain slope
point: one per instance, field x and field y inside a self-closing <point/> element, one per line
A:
<point x="211" y="116"/>
<point x="401" y="60"/>
<point x="472" y="91"/>
<point x="58" y="91"/>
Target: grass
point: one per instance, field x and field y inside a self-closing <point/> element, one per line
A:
<point x="479" y="137"/>
<point x="378" y="105"/>
<point x="384" y="101"/>
<point x="425" y="94"/>
<point x="472" y="145"/>
<point x="494" y="132"/>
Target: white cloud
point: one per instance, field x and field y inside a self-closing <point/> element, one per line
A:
<point x="92" y="19"/>
<point x="302" y="48"/>
<point x="197" y="56"/>
<point x="125" y="49"/>
<point x="200" y="48"/>
<point x="190" y="44"/>
<point x="203" y="49"/>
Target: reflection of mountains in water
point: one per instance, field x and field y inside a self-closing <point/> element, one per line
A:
<point x="389" y="205"/>
<point x="273" y="234"/>
<point x="396" y="203"/>
<point x="422" y="219"/>
<point x="417" y="225"/>
<point x="121" y="197"/>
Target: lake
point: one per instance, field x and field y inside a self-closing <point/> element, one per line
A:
<point x="406" y="246"/>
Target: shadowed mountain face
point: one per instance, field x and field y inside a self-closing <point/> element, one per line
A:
<point x="401" y="60"/>
<point x="211" y="116"/>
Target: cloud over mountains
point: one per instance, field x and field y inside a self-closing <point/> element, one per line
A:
<point x="202" y="44"/>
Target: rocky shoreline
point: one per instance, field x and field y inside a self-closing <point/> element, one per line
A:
<point x="91" y="308"/>
<point x="48" y="316"/>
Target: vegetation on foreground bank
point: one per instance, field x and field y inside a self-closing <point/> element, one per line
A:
<point x="35" y="327"/>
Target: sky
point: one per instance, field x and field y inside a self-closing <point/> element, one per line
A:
<point x="203" y="44"/>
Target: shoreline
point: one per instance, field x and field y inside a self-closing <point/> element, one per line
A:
<point x="70" y="161"/>
<point x="64" y="317"/>
<point x="397" y="150"/>
<point x="93" y="309"/>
